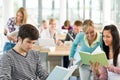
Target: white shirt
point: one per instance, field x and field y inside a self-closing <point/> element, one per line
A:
<point x="112" y="75"/>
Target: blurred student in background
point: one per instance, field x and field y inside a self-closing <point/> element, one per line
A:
<point x="51" y="31"/>
<point x="70" y="37"/>
<point x="13" y="24"/>
<point x="76" y="29"/>
<point x="88" y="40"/>
<point x="44" y="26"/>
<point x="111" y="47"/>
<point x="67" y="25"/>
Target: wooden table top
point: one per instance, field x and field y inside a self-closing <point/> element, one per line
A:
<point x="59" y="50"/>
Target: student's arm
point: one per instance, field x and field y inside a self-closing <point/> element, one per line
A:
<point x="103" y="74"/>
<point x="5" y="68"/>
<point x="99" y="72"/>
<point x="79" y="36"/>
<point x="41" y="73"/>
<point x="114" y="69"/>
<point x="67" y="38"/>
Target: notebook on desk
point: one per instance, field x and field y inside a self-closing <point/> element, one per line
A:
<point x="46" y="42"/>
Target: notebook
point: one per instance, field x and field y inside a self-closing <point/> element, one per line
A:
<point x="61" y="73"/>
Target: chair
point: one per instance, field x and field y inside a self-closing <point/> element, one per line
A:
<point x="44" y="60"/>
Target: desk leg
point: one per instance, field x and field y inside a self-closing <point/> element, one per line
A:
<point x="62" y="60"/>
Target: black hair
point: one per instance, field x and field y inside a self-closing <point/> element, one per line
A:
<point x="115" y="43"/>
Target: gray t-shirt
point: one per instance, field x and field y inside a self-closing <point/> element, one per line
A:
<point x="14" y="66"/>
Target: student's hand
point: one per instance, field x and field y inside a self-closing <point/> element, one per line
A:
<point x="5" y="32"/>
<point x="12" y="38"/>
<point x="71" y="61"/>
<point x="60" y="43"/>
<point x="110" y="68"/>
<point x="95" y="67"/>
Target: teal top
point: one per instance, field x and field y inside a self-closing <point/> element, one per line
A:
<point x="82" y="42"/>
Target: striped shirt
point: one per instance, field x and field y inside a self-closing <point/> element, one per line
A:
<point x="14" y="66"/>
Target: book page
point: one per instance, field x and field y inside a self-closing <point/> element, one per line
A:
<point x="85" y="57"/>
<point x="61" y="73"/>
<point x="101" y="58"/>
<point x="71" y="70"/>
<point x="14" y="33"/>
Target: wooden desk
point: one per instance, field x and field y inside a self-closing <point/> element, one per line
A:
<point x="54" y="57"/>
<point x="59" y="51"/>
<point x="61" y="36"/>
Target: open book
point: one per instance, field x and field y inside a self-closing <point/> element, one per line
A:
<point x="98" y="57"/>
<point x="14" y="33"/>
<point x="61" y="73"/>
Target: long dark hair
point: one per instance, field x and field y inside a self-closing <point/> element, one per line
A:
<point x="115" y="44"/>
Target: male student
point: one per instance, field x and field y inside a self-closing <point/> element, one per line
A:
<point x="71" y="36"/>
<point x="22" y="63"/>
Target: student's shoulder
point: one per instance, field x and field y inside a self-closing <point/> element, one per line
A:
<point x="81" y="34"/>
<point x="7" y="54"/>
<point x="34" y="52"/>
<point x="70" y="31"/>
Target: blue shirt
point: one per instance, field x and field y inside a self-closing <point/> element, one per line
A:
<point x="84" y="46"/>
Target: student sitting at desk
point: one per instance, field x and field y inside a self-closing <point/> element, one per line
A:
<point x="44" y="26"/>
<point x="71" y="36"/>
<point x="51" y="33"/>
<point x="67" y="25"/>
<point x="22" y="63"/>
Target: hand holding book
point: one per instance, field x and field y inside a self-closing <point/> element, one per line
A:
<point x="95" y="68"/>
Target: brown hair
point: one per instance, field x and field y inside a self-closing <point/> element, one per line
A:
<point x="67" y="23"/>
<point x="78" y="23"/>
<point x="51" y="20"/>
<point x="43" y="21"/>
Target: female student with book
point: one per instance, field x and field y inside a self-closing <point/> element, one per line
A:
<point x="111" y="47"/>
<point x="89" y="40"/>
<point x="13" y="25"/>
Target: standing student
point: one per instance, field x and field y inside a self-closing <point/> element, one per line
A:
<point x="111" y="47"/>
<point x="22" y="63"/>
<point x="88" y="40"/>
<point x="13" y="25"/>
